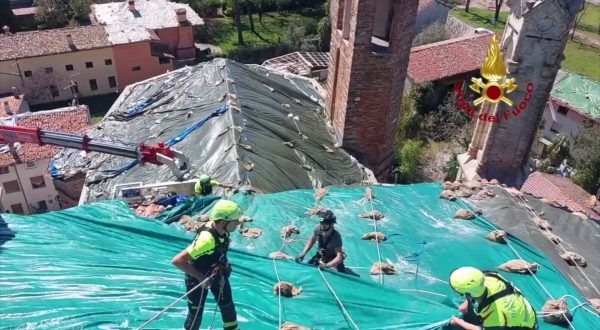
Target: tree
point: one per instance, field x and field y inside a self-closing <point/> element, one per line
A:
<point x="7" y="17"/>
<point x="52" y="14"/>
<point x="80" y="8"/>
<point x="586" y="156"/>
<point x="238" y="21"/>
<point x="40" y="87"/>
<point x="324" y="32"/>
<point x="498" y="6"/>
<point x="433" y="33"/>
<point x="559" y="149"/>
<point x="467" y="5"/>
<point x="249" y="6"/>
<point x="408" y="159"/>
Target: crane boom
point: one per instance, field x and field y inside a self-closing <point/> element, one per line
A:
<point x="157" y="154"/>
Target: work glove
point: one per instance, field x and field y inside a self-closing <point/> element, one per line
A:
<point x="300" y="258"/>
<point x="322" y="265"/>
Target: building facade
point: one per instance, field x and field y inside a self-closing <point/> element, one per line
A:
<point x="25" y="186"/>
<point x="54" y="65"/>
<point x="370" y="46"/>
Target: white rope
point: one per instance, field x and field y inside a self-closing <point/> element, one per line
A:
<point x="278" y="292"/>
<point x="520" y="257"/>
<point x="338" y="300"/>
<point x="157" y="315"/>
<point x="424" y="291"/>
<point x="565" y="250"/>
<point x="376" y="239"/>
<point x="221" y="284"/>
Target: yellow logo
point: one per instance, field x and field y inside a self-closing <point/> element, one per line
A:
<point x="494" y="71"/>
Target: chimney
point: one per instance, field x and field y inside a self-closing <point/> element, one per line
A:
<point x="181" y="15"/>
<point x="6" y="30"/>
<point x="70" y="40"/>
<point x="131" y="5"/>
<point x="15" y="92"/>
<point x="7" y="108"/>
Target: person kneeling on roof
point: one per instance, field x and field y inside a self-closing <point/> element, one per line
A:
<point x="329" y="253"/>
<point x="500" y="305"/>
<point x="206" y="258"/>
<point x="205" y="184"/>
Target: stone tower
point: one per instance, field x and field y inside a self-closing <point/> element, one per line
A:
<point x="533" y="44"/>
<point x="370" y="46"/>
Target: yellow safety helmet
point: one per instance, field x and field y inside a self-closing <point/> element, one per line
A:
<point x="204" y="178"/>
<point x="225" y="210"/>
<point x="468" y="280"/>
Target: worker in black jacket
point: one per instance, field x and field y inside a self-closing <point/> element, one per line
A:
<point x="329" y="253"/>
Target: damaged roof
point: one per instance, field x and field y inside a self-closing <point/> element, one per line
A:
<point x="274" y="135"/>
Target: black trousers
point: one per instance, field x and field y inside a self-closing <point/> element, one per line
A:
<point x="221" y="290"/>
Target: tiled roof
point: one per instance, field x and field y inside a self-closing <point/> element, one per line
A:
<point x="124" y="26"/>
<point x="448" y="58"/>
<point x="49" y="42"/>
<point x="580" y="93"/>
<point x="13" y="102"/>
<point x="563" y="192"/>
<point x="24" y="11"/>
<point x="68" y="120"/>
<point x="298" y="62"/>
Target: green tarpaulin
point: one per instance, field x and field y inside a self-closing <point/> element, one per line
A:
<point x="99" y="266"/>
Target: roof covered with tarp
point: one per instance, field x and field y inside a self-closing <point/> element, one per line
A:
<point x="243" y="124"/>
<point x="579" y="93"/>
<point x="111" y="269"/>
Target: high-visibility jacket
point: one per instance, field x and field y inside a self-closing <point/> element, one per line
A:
<point x="504" y="307"/>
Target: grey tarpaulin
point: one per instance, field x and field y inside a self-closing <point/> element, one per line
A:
<point x="579" y="236"/>
<point x="244" y="145"/>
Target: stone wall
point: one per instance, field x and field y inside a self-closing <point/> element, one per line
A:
<point x="366" y="81"/>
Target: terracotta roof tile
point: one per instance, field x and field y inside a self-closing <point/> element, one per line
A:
<point x="48" y="42"/>
<point x="448" y="58"/>
<point x="13" y="102"/>
<point x="68" y="120"/>
<point x="562" y="191"/>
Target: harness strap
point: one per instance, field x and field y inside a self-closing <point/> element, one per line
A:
<point x="510" y="289"/>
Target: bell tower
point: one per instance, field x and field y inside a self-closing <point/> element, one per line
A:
<point x="533" y="45"/>
<point x="370" y="47"/>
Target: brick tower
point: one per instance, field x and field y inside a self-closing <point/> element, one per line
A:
<point x="533" y="44"/>
<point x="370" y="46"/>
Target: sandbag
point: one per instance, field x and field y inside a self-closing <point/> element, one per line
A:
<point x="278" y="255"/>
<point x="552" y="237"/>
<point x="251" y="232"/>
<point x="286" y="289"/>
<point x="369" y="194"/>
<point x="519" y="266"/>
<point x="573" y="259"/>
<point x="288" y="231"/>
<point x="292" y="326"/>
<point x="466" y="193"/>
<point x="383" y="268"/>
<point x="315" y="210"/>
<point x="375" y="215"/>
<point x="542" y="224"/>
<point x="498" y="236"/>
<point x="557" y="312"/>
<point x="374" y="236"/>
<point x="486" y="193"/>
<point x="595" y="303"/>
<point x="448" y="194"/>
<point x="320" y="193"/>
<point x="447" y="185"/>
<point x="472" y="184"/>
<point x="464" y="214"/>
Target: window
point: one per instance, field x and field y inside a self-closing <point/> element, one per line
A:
<point x="93" y="84"/>
<point x="89" y="65"/>
<point x="69" y="67"/>
<point x="108" y="61"/>
<point x="30" y="164"/>
<point x="563" y="110"/>
<point x="4" y="169"/>
<point x="17" y="208"/>
<point x="41" y="207"/>
<point x="37" y="182"/>
<point x="54" y="91"/>
<point x="48" y="70"/>
<point x="347" y="15"/>
<point x="164" y="60"/>
<point x="27" y="73"/>
<point x="112" y="82"/>
<point x="11" y="186"/>
<point x="382" y="25"/>
<point x="136" y="68"/>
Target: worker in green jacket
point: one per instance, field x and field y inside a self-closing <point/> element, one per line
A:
<point x="500" y="305"/>
<point x="205" y="184"/>
<point x="206" y="258"/>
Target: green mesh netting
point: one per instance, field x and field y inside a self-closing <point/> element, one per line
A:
<point x="99" y="266"/>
